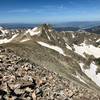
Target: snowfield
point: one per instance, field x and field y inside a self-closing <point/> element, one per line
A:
<point x="5" y="40"/>
<point x="88" y="49"/>
<point x="33" y="31"/>
<point x="56" y="48"/>
<point x="3" y="31"/>
<point x="91" y="73"/>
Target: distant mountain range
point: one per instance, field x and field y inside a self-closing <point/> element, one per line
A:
<point x="95" y="29"/>
<point x="18" y="25"/>
<point x="84" y="24"/>
<point x="77" y="24"/>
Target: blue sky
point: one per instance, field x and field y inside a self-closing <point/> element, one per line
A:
<point x="40" y="11"/>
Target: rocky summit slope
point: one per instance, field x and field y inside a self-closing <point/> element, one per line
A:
<point x="22" y="80"/>
<point x="74" y="56"/>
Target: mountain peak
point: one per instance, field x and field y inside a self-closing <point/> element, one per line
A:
<point x="44" y="31"/>
<point x="46" y="27"/>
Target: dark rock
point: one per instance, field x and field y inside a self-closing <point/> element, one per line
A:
<point x="2" y="92"/>
<point x="39" y="92"/>
<point x="30" y="85"/>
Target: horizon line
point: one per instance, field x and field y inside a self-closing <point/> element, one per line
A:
<point x="46" y="22"/>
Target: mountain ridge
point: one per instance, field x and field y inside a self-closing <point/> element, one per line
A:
<point x="62" y="52"/>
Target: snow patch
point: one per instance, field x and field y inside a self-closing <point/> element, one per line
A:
<point x="98" y="40"/>
<point x="47" y="36"/>
<point x="33" y="32"/>
<point x="5" y="40"/>
<point x="56" y="48"/>
<point x="3" y="31"/>
<point x="88" y="49"/>
<point x="24" y="40"/>
<point x="35" y="29"/>
<point x="73" y="36"/>
<point x="50" y="30"/>
<point x="91" y="73"/>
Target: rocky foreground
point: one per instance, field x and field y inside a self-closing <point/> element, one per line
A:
<point x="21" y="80"/>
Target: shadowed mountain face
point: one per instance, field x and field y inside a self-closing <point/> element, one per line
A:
<point x="73" y="55"/>
<point x="67" y="28"/>
<point x="95" y="29"/>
